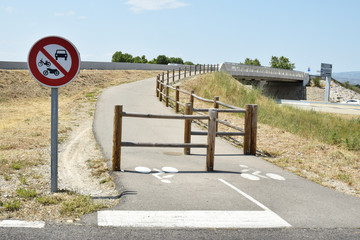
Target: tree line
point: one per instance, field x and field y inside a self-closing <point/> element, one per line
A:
<point x="275" y="62"/>
<point x="161" y="59"/>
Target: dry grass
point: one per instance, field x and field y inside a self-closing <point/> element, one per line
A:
<point x="25" y="141"/>
<point x="328" y="164"/>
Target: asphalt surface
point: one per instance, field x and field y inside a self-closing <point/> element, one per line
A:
<point x="298" y="202"/>
<point x="168" y="195"/>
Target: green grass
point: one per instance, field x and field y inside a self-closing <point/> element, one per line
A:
<point x="26" y="193"/>
<point x="48" y="200"/>
<point x="79" y="206"/>
<point x="12" y="205"/>
<point x="324" y="127"/>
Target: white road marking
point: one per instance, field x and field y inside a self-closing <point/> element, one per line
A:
<point x="143" y="169"/>
<point x="275" y="176"/>
<point x="21" y="224"/>
<point x="191" y="219"/>
<point x="195" y="219"/>
<point x="250" y="177"/>
<point x="170" y="170"/>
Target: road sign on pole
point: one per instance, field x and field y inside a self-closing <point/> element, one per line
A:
<point x="326" y="70"/>
<point x="54" y="62"/>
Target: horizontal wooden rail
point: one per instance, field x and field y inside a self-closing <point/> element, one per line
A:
<point x="202" y="99"/>
<point x="227" y="105"/>
<point x="230" y="125"/>
<point x="203" y="133"/>
<point x="240" y="110"/>
<point x="177" y="116"/>
<point x="167" y="145"/>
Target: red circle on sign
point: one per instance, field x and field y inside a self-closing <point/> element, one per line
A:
<point x="68" y="75"/>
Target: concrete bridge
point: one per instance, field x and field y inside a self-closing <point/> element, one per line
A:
<point x="275" y="82"/>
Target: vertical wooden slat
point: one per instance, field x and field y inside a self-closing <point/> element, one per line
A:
<point x="216" y="106"/>
<point x="173" y="75"/>
<point x="161" y="87"/>
<point x="167" y="91"/>
<point x="187" y="128"/>
<point x="189" y="70"/>
<point x="211" y="141"/>
<point x="247" y="137"/>
<point x="157" y="85"/>
<point x="177" y="98"/>
<point x="116" y="157"/>
<point x="191" y="99"/>
<point x="179" y="73"/>
<point x="195" y="69"/>
<point x="253" y="129"/>
<point x="184" y="72"/>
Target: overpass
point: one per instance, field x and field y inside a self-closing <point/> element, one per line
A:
<point x="278" y="83"/>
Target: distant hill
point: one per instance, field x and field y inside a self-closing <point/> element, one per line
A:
<point x="352" y="77"/>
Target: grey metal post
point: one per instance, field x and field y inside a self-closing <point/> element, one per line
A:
<point x="327" y="89"/>
<point x="54" y="139"/>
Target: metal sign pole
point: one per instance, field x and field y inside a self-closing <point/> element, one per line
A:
<point x="54" y="139"/>
<point x="327" y="88"/>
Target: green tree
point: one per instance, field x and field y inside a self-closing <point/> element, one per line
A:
<point x="176" y="60"/>
<point x="188" y="63"/>
<point x="122" y="57"/>
<point x="254" y="62"/>
<point x="282" y="62"/>
<point x="143" y="59"/>
<point x="137" y="59"/>
<point x="162" y="59"/>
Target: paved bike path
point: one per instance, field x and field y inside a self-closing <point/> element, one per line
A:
<point x="164" y="188"/>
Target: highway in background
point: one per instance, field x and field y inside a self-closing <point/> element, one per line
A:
<point x="338" y="108"/>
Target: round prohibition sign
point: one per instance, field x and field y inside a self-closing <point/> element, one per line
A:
<point x="54" y="61"/>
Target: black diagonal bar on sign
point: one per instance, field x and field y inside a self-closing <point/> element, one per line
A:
<point x="52" y="60"/>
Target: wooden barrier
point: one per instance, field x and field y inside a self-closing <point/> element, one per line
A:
<point x="250" y="130"/>
<point x="117" y="135"/>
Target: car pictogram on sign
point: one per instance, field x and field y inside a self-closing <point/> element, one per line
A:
<point x="61" y="53"/>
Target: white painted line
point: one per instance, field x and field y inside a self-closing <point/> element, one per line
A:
<point x="244" y="194"/>
<point x="191" y="219"/>
<point x="21" y="224"/>
<point x="279" y="219"/>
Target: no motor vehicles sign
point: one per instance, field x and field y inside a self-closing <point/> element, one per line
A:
<point x="54" y="61"/>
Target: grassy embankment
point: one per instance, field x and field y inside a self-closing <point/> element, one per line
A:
<point x="25" y="142"/>
<point x="323" y="147"/>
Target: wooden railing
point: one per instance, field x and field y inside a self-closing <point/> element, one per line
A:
<point x="118" y="143"/>
<point x="163" y="86"/>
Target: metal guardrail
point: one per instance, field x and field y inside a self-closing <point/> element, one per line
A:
<point x="236" y="69"/>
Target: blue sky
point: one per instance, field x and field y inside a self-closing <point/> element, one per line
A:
<point x="308" y="32"/>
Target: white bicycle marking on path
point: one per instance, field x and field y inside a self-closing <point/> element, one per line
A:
<point x="255" y="175"/>
<point x="164" y="170"/>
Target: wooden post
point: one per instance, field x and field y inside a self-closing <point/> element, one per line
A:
<point x="167" y="74"/>
<point x="187" y="128"/>
<point x="211" y="68"/>
<point x="199" y="68"/>
<point x="247" y="137"/>
<point x="211" y="141"/>
<point x="204" y="69"/>
<point x="216" y="106"/>
<point x="217" y="67"/>
<point x="167" y="91"/>
<point x="192" y="97"/>
<point x="189" y="70"/>
<point x="195" y="69"/>
<point x="161" y="88"/>
<point x="179" y="73"/>
<point x="173" y="75"/>
<point x="253" y="129"/>
<point x="177" y="98"/>
<point x="157" y="85"/>
<point x="208" y="68"/>
<point x="184" y="72"/>
<point x="116" y="157"/>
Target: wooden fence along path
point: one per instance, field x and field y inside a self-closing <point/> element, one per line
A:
<point x="163" y="87"/>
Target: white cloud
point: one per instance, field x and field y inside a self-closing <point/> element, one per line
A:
<point x="144" y="5"/>
<point x="8" y="9"/>
<point x="82" y="17"/>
